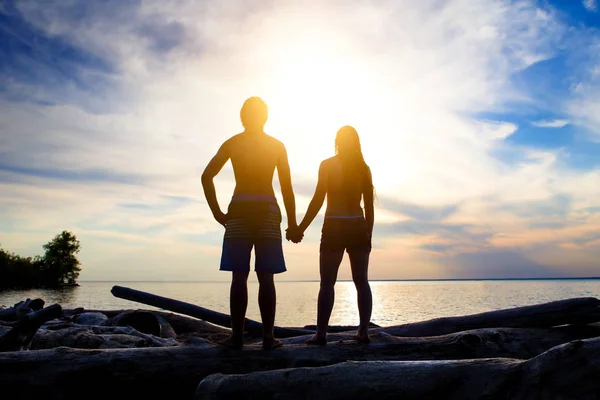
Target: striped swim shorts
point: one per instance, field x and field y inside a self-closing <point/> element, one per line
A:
<point x="253" y="222"/>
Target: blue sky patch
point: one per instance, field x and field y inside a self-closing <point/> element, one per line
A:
<point x="31" y="57"/>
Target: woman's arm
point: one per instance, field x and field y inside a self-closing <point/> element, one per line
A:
<point x="318" y="199"/>
<point x="368" y="199"/>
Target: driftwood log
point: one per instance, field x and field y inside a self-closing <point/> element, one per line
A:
<point x="535" y="339"/>
<point x="96" y="337"/>
<point x="339" y="328"/>
<point x="583" y="311"/>
<point x="562" y="312"/>
<point x="141" y="323"/>
<point x="64" y="373"/>
<point x="568" y="371"/>
<point x="180" y="323"/>
<point x="214" y="317"/>
<point x="21" y="308"/>
<point x="81" y="338"/>
<point x="21" y="334"/>
<point x="175" y="371"/>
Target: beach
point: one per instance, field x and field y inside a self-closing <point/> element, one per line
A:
<point x="540" y="351"/>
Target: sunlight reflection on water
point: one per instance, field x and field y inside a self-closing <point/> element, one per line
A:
<point x="393" y="302"/>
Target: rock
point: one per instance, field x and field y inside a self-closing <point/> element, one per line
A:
<point x="145" y="322"/>
<point x="90" y="318"/>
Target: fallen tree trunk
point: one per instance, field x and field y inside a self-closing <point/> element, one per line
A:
<point x="97" y="337"/>
<point x="568" y="371"/>
<point x="214" y="317"/>
<point x="175" y="371"/>
<point x="81" y="338"/>
<point x="340" y="328"/>
<point x="180" y="323"/>
<point x="21" y="334"/>
<point x="540" y="338"/>
<point x="571" y="311"/>
<point x="584" y="310"/>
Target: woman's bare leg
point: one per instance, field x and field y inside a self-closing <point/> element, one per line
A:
<point x="329" y="264"/>
<point x="359" y="263"/>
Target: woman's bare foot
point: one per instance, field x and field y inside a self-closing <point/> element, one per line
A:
<point x="271" y="343"/>
<point x="317" y="340"/>
<point x="232" y="342"/>
<point x="362" y="337"/>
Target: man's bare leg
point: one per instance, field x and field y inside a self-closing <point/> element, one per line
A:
<point x="359" y="263"/>
<point x="267" y="300"/>
<point x="329" y="264"/>
<point x="238" y="303"/>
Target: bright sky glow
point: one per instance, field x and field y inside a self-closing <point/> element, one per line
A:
<point x="480" y="120"/>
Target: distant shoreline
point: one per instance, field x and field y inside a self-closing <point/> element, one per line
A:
<point x="374" y="280"/>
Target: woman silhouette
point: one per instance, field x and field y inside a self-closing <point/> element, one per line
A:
<point x="345" y="179"/>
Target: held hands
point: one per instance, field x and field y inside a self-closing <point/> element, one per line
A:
<point x="294" y="234"/>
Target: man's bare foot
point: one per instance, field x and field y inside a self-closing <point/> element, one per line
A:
<point x="232" y="342"/>
<point x="271" y="343"/>
<point x="362" y="337"/>
<point x="317" y="340"/>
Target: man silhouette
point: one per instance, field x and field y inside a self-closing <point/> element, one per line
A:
<point x="253" y="218"/>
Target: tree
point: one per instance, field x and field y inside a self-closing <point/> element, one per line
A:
<point x="59" y="264"/>
<point x="17" y="271"/>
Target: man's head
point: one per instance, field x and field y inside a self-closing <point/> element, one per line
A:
<point x="254" y="113"/>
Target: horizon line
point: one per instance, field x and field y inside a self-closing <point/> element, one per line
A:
<point x="350" y="280"/>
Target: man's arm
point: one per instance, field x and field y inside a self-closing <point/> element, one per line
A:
<point x="212" y="169"/>
<point x="368" y="199"/>
<point x="285" y="180"/>
<point x="318" y="199"/>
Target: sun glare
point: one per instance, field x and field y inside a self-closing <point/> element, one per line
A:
<point x="314" y="90"/>
<point x="317" y="83"/>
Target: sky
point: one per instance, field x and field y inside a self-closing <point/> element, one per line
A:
<point x="480" y="120"/>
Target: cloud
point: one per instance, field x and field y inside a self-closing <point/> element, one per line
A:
<point x="555" y="123"/>
<point x="114" y="110"/>
<point x="499" y="264"/>
<point x="416" y="211"/>
<point x="555" y="205"/>
<point x="495" y="130"/>
<point x="590" y="5"/>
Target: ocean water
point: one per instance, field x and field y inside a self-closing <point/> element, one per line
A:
<point x="394" y="302"/>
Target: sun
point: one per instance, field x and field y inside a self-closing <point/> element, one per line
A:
<point x="315" y="87"/>
<point x="315" y="83"/>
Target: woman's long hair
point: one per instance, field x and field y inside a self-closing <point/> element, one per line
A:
<point x="356" y="175"/>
